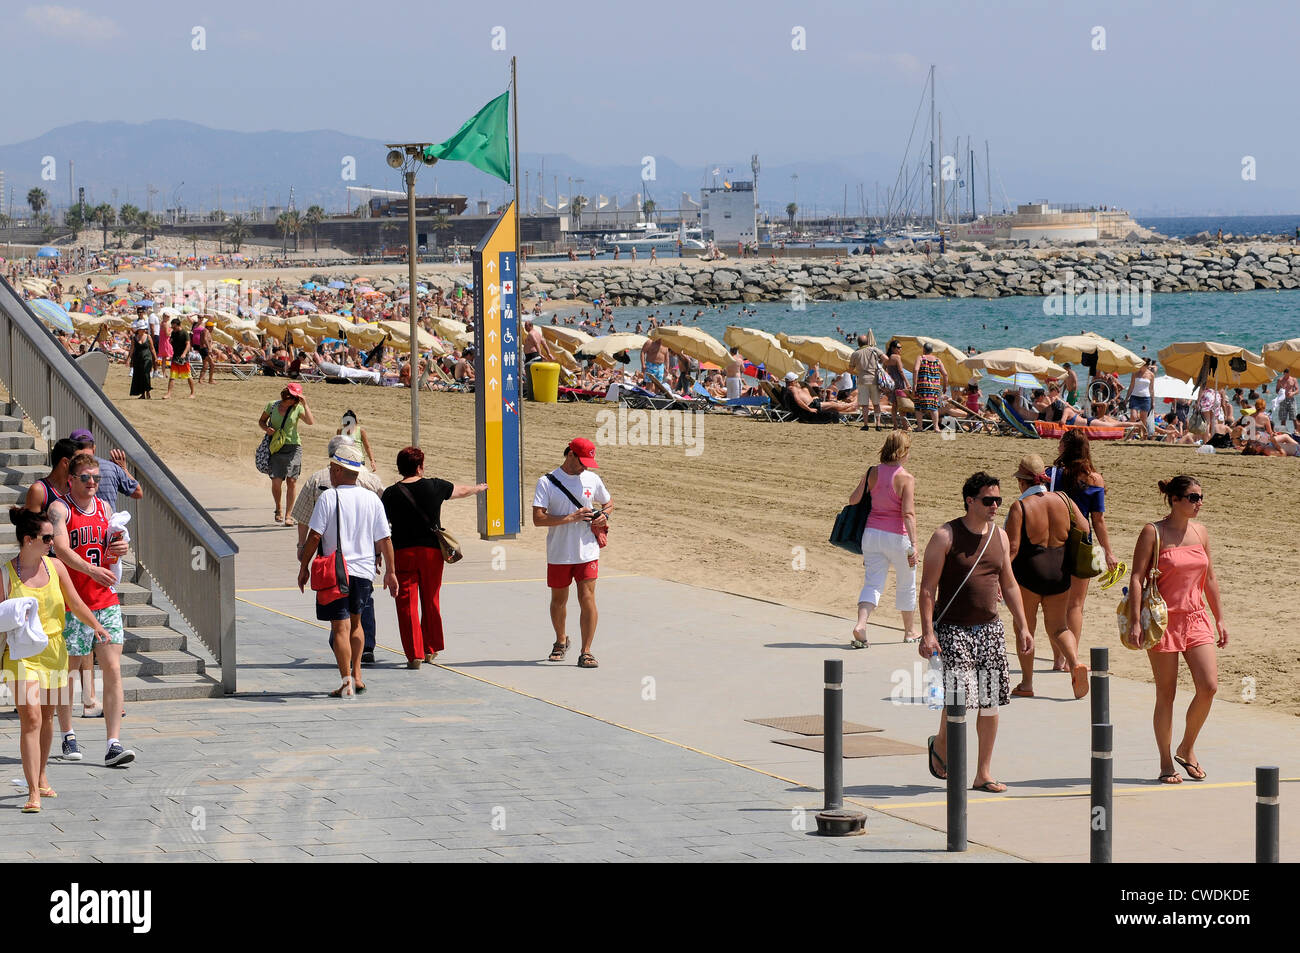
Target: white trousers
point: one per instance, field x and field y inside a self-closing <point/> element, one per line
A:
<point x="880" y="550"/>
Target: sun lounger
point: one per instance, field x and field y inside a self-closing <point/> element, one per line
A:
<point x="1011" y="419"/>
<point x="775" y="411"/>
<point x="354" y="375"/>
<point x="574" y="394"/>
<point x="1055" y="431"/>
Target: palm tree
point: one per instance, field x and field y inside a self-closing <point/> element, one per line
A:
<point x="440" y="223"/>
<point x="575" y="208"/>
<point x="104" y="215"/>
<point x="290" y="223"/>
<point x="791" y="210"/>
<point x="390" y="229"/>
<point x="75" y="219"/>
<point x="237" y="232"/>
<point x="120" y="234"/>
<point x="37" y="199"/>
<point x="128" y="215"/>
<point x="649" y="209"/>
<point x="315" y="215"/>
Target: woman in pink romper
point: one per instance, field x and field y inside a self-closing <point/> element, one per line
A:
<point x="1186" y="581"/>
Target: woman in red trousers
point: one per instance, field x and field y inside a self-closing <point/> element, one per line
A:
<point x="414" y="508"/>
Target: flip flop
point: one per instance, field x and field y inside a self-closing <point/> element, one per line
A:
<point x="1079" y="680"/>
<point x="1112" y="576"/>
<point x="1019" y="692"/>
<point x="1174" y="778"/>
<point x="30" y="808"/>
<point x="990" y="787"/>
<point x="49" y="792"/>
<point x="1189" y="767"/>
<point x="929" y="763"/>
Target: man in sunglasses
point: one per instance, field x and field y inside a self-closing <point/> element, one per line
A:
<point x="967" y="568"/>
<point x="81" y="541"/>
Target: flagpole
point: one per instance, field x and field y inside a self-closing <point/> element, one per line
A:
<point x="514" y="175"/>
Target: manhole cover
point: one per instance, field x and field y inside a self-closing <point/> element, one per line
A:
<point x="856" y="746"/>
<point x="808" y="725"/>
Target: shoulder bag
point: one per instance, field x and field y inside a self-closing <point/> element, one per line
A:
<point x="451" y="551"/>
<point x="329" y="574"/>
<point x="279" y="438"/>
<point x="600" y="532"/>
<point x="1154" y="614"/>
<point x="851" y="523"/>
<point x="262" y="456"/>
<point x="1083" y="557"/>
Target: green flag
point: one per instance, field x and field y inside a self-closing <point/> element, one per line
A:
<point x="482" y="141"/>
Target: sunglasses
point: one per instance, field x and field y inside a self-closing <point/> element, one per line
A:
<point x="1194" y="497"/>
<point x="991" y="500"/>
<point x="88" y="477"/>
<point x="47" y="538"/>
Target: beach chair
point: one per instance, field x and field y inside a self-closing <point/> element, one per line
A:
<point x="638" y="398"/>
<point x="711" y="403"/>
<point x="1012" y="422"/>
<point x="775" y="411"/>
<point x="755" y="406"/>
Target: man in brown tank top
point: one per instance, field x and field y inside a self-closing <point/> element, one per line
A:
<point x="967" y="568"/>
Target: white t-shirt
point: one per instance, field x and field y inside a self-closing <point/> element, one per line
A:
<point x="153" y="327"/>
<point x="364" y="524"/>
<point x="572" y="542"/>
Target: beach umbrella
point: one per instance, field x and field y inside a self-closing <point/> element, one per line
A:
<point x="400" y="337"/>
<point x="1025" y="381"/>
<point x="1185" y="359"/>
<point x="692" y="342"/>
<point x="763" y="348"/>
<point x="52" y="314"/>
<point x="47" y="251"/>
<point x="142" y="303"/>
<point x="612" y="344"/>
<point x="229" y="281"/>
<point x="309" y="286"/>
<point x="305" y="305"/>
<point x="336" y="285"/>
<point x="1283" y="355"/>
<point x="911" y="347"/>
<point x="118" y="281"/>
<point x="830" y="354"/>
<point x="365" y="335"/>
<point x="570" y="338"/>
<point x="1111" y="357"/>
<point x="1015" y="360"/>
<point x="1171" y="388"/>
<point x="453" y="331"/>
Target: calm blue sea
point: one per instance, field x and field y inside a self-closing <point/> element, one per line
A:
<point x="1250" y="319"/>
<point x="1231" y="224"/>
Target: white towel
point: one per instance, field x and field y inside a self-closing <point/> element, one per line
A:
<point x="117" y="527"/>
<point x="20" y="619"/>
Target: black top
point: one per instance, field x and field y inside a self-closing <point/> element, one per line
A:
<point x="179" y="340"/>
<point x="409" y="527"/>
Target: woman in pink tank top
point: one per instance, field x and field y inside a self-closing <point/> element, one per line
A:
<point x="1186" y="582"/>
<point x="889" y="537"/>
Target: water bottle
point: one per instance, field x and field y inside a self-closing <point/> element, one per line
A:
<point x="934" y="682"/>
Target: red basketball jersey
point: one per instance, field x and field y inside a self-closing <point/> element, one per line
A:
<point x="88" y="536"/>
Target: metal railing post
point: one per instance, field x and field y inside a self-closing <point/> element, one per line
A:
<point x="1099" y="690"/>
<point x="1267" y="815"/>
<point x="834" y="820"/>
<point x="1102" y="800"/>
<point x="955" y="713"/>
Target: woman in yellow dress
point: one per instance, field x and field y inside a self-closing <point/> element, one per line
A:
<point x="40" y="682"/>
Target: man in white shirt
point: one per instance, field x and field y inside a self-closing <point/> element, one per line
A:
<point x="154" y="332"/>
<point x="572" y="552"/>
<point x="354" y="517"/>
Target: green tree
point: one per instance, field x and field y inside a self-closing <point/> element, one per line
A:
<point x="312" y="219"/>
<point x="128" y="215"/>
<point x="289" y="223"/>
<point x="575" y="208"/>
<point x="649" y="209"/>
<point x="75" y="219"/>
<point x="38" y="200"/>
<point x="120" y="233"/>
<point x="237" y="232"/>
<point x="440" y="223"/>
<point x="791" y="211"/>
<point x="104" y="215"/>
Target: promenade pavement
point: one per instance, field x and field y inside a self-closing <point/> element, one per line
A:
<point x="436" y="764"/>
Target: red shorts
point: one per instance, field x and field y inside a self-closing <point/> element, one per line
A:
<point x="559" y="575"/>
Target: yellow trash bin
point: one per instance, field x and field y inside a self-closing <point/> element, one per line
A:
<point x="546" y="381"/>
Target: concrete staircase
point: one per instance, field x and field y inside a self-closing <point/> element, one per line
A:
<point x="156" y="662"/>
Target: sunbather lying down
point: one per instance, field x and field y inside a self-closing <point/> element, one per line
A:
<point x="810" y="407"/>
<point x="1050" y="407"/>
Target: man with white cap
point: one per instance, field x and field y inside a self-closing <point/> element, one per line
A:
<point x="810" y="409"/>
<point x="351" y="518"/>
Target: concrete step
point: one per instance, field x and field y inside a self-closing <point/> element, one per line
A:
<point x="143" y="688"/>
<point x="132" y="595"/>
<point x="151" y="638"/>
<point x="12" y="495"/>
<point x="161" y="663"/>
<point x="25" y="458"/>
<point x="16" y="441"/>
<point x="143" y="616"/>
<point x="23" y="474"/>
<point x="10" y="424"/>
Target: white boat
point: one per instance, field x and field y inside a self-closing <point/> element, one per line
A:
<point x="648" y="236"/>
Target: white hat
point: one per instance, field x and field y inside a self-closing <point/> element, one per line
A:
<point x="792" y="376"/>
<point x="349" y="457"/>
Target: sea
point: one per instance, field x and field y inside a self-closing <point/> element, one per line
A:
<point x="1185" y="227"/>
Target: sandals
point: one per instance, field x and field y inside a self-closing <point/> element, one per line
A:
<point x="990" y="787"/>
<point x="943" y="766"/>
<point x="345" y="690"/>
<point x="1079" y="680"/>
<point x="558" y="651"/>
<point x="360" y="688"/>
<point x="31" y="807"/>
<point x="1189" y="766"/>
<point x="279" y="517"/>
<point x="1112" y="576"/>
<point x="49" y="792"/>
<point x="1019" y="692"/>
<point x="587" y="660"/>
<point x="1172" y="777"/>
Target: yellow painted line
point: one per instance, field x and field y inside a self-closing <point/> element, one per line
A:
<point x="458" y="582"/>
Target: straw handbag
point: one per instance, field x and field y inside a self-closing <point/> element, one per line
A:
<point x="1154" y="617"/>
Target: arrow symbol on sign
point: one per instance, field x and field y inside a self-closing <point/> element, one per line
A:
<point x="492" y="382"/>
<point x="492" y="335"/>
<point x="491" y="265"/>
<point x="492" y="289"/>
<point x="492" y="360"/>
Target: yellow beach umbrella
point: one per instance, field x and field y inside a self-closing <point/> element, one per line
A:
<point x="1111" y="357"/>
<point x="365" y="335"/>
<point x="612" y="344"/>
<point x="759" y="347"/>
<point x="1283" y="355"/>
<point x="1185" y="359"/>
<point x="692" y="342"/>
<point x="911" y="347"/>
<point x="567" y="337"/>
<point x="830" y="354"/>
<point x="1015" y="360"/>
<point x="400" y="338"/>
<point x="453" y="331"/>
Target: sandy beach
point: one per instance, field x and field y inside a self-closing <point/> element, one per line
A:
<point x="750" y="513"/>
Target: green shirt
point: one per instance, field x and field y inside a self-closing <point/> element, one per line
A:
<point x="290" y="425"/>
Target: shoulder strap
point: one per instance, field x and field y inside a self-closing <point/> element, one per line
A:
<point x="1155" y="558"/>
<point x="989" y="538"/>
<point x="410" y="497"/>
<point x="564" y="489"/>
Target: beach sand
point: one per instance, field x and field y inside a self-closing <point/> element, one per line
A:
<point x="750" y="513"/>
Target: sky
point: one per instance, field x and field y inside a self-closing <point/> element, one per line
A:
<point x="1176" y="101"/>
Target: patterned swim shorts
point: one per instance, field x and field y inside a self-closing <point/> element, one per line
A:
<point x="975" y="657"/>
<point x="81" y="637"/>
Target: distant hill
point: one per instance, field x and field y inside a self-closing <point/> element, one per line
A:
<point x="188" y="162"/>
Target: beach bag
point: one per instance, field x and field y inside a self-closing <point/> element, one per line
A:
<point x="451" y="551"/>
<point x="851" y="522"/>
<point x="329" y="574"/>
<point x="1083" y="557"/>
<point x="600" y="532"/>
<point x="262" y="456"/>
<point x="1154" y="615"/>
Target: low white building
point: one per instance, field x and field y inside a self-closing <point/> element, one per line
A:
<point x="729" y="215"/>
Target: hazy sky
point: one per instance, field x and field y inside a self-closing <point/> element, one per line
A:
<point x="1180" y="94"/>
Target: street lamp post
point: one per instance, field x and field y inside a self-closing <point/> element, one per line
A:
<point x="408" y="156"/>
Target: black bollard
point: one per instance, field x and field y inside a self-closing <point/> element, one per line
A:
<point x="1267" y="815"/>
<point x="1099" y="690"/>
<point x="834" y="820"/>
<point x="956" y="716"/>
<point x="1101" y="816"/>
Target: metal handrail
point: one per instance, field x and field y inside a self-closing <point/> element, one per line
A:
<point x="189" y="556"/>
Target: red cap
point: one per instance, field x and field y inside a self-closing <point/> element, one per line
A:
<point x="294" y="388"/>
<point x="585" y="451"/>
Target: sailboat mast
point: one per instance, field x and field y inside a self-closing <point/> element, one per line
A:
<point x="988" y="179"/>
<point x="934" y="185"/>
<point x="943" y="210"/>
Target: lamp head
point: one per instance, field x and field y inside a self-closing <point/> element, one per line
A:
<point x="395" y="158"/>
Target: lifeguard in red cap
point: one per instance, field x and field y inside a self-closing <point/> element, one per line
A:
<point x="572" y="503"/>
